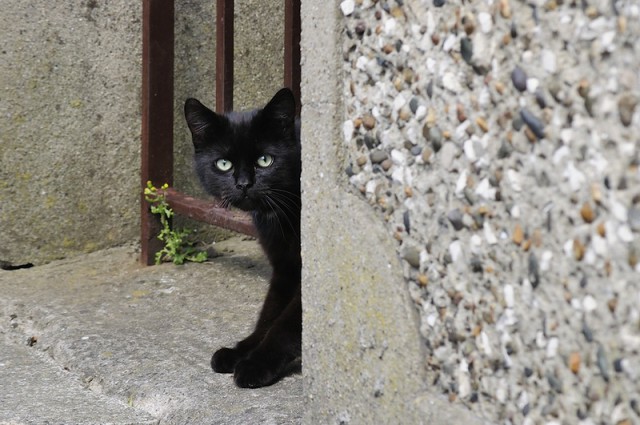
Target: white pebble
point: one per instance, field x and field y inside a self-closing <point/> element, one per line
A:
<point x="549" y="61"/>
<point x="390" y="26"/>
<point x="532" y="84"/>
<point x="461" y="183"/>
<point x="485" y="191"/>
<point x="589" y="303"/>
<point x="619" y="211"/>
<point x="514" y="179"/>
<point x="398" y="157"/>
<point x="476" y="243"/>
<point x="348" y="6"/>
<point x="399" y="102"/>
<point x="484" y="344"/>
<point x="464" y="383"/>
<point x="449" y="43"/>
<point x="489" y="235"/>
<point x="431" y="319"/>
<point x="575" y="177"/>
<point x="552" y="347"/>
<point x="347" y="130"/>
<point x="485" y="21"/>
<point x="625" y="234"/>
<point x="509" y="297"/>
<point x="451" y="83"/>
<point x="469" y="151"/>
<point x="421" y="112"/>
<point x="455" y="250"/>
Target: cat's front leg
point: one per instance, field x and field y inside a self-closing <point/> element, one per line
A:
<point x="281" y="345"/>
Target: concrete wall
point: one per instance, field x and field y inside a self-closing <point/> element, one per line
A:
<point x="70" y="78"/>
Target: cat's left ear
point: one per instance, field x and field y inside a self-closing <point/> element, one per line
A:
<point x="282" y="109"/>
<point x="201" y="120"/>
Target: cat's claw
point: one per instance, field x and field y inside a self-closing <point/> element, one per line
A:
<point x="224" y="360"/>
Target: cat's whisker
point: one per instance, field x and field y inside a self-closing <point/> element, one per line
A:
<point x="279" y="206"/>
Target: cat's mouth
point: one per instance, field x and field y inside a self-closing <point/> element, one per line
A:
<point x="245" y="203"/>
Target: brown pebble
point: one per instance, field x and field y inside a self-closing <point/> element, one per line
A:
<point x="583" y="88"/>
<point x="430" y="120"/>
<point x="526" y="245"/>
<point x="426" y="154"/>
<point x="596" y="193"/>
<point x="357" y="123"/>
<point x="423" y="279"/>
<point x="578" y="250"/>
<point x="482" y="123"/>
<point x="536" y="238"/>
<point x="386" y="164"/>
<point x="460" y="112"/>
<point x="506" y="39"/>
<point x="408" y="191"/>
<point x="446" y="134"/>
<point x="505" y="9"/>
<point x="530" y="135"/>
<point x="499" y="87"/>
<point x="388" y="48"/>
<point x="369" y="122"/>
<point x="405" y="114"/>
<point x="622" y="24"/>
<point x="362" y="159"/>
<point x="435" y="39"/>
<point x="602" y="231"/>
<point x="476" y="330"/>
<point x="574" y="362"/>
<point x="518" y="235"/>
<point x="587" y="213"/>
<point x="612" y="304"/>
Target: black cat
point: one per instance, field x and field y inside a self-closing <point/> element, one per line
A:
<point x="251" y="160"/>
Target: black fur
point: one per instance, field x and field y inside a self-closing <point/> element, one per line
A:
<point x="247" y="141"/>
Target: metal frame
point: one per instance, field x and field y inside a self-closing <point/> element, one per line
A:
<point x="157" y="111"/>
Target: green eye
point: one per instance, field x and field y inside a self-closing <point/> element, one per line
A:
<point x="264" y="161"/>
<point x="223" y="164"/>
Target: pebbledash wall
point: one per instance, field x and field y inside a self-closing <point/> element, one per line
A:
<point x="498" y="141"/>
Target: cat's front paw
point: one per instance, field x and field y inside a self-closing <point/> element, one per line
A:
<point x="255" y="373"/>
<point x="224" y="360"/>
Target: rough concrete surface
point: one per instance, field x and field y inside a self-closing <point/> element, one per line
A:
<point x="101" y="339"/>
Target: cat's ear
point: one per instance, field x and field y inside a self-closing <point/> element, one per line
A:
<point x="282" y="109"/>
<point x="201" y="120"/>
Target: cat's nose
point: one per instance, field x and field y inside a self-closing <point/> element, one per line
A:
<point x="243" y="185"/>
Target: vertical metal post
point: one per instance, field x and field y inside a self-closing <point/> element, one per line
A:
<point x="292" y="48"/>
<point x="224" y="55"/>
<point x="157" y="112"/>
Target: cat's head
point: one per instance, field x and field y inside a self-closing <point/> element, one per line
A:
<point x="250" y="160"/>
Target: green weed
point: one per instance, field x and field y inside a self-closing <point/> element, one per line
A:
<point x="176" y="247"/>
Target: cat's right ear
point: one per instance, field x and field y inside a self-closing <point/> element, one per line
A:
<point x="200" y="119"/>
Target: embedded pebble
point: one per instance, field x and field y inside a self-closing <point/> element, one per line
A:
<point x="519" y="78"/>
<point x="533" y="123"/>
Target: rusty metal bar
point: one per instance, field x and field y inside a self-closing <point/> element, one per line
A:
<point x="209" y="212"/>
<point x="292" y="28"/>
<point x="224" y="55"/>
<point x="157" y="112"/>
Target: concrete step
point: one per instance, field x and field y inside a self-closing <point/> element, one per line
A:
<point x="101" y="339"/>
